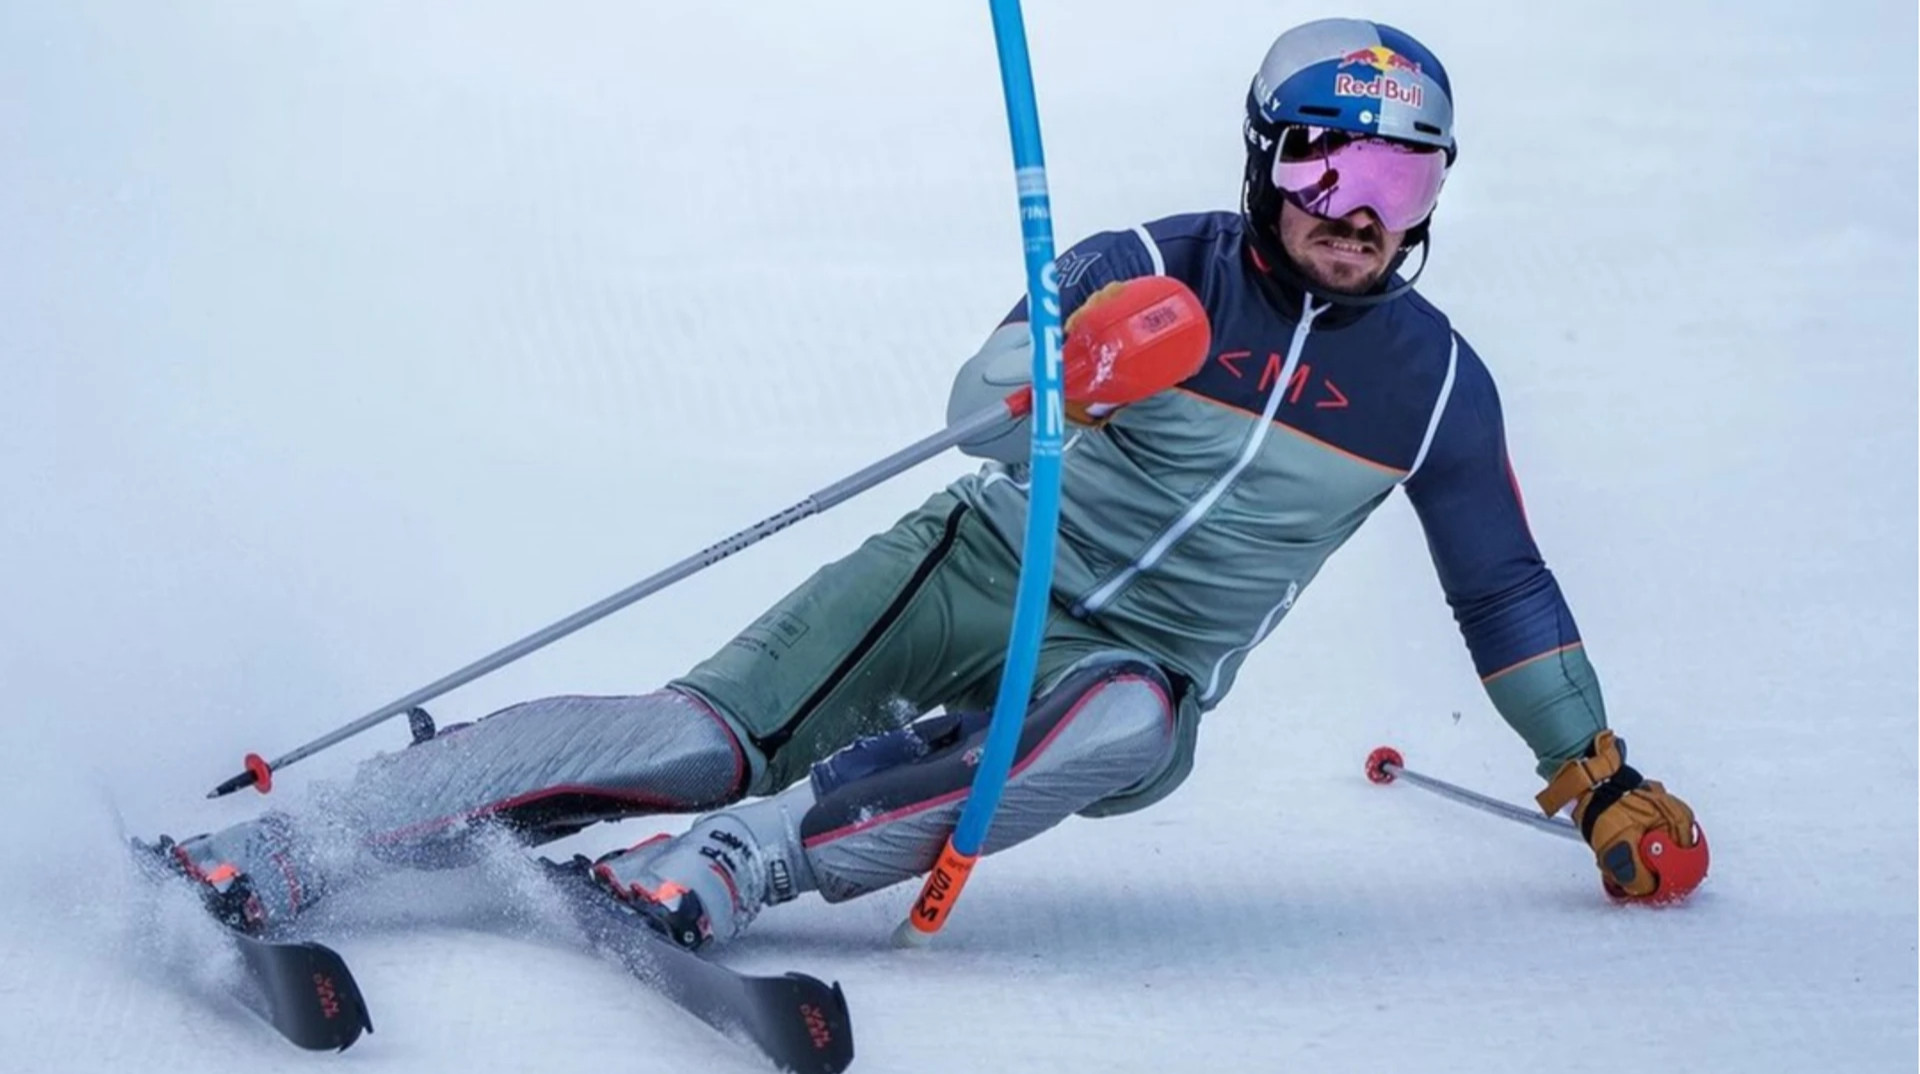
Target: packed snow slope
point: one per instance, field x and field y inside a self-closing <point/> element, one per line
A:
<point x="345" y="343"/>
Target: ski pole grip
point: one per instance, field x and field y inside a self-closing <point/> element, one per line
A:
<point x="1134" y="339"/>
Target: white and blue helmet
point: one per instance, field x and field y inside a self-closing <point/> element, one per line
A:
<point x="1351" y="75"/>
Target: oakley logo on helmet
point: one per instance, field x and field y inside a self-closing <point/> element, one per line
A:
<point x="1253" y="135"/>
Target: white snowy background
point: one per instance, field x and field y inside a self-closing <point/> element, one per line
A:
<point x="342" y="343"/>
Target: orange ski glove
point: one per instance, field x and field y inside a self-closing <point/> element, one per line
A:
<point x="1128" y="340"/>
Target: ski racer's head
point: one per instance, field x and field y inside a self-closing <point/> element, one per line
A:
<point x="1349" y="136"/>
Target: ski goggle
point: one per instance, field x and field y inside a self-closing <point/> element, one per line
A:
<point x="1330" y="173"/>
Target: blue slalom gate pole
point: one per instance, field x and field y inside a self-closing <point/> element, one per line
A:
<point x="1034" y="593"/>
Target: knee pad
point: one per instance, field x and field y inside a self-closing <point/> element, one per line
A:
<point x="1124" y="723"/>
<point x="1140" y="705"/>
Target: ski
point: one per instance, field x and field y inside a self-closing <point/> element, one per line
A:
<point x="799" y="1022"/>
<point x="302" y="989"/>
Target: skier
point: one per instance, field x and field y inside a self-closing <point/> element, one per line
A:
<point x="1191" y="521"/>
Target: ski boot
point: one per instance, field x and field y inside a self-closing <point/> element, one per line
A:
<point x="708" y="884"/>
<point x="246" y="876"/>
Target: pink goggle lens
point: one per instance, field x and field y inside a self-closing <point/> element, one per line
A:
<point x="1331" y="173"/>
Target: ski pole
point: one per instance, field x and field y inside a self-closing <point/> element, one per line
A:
<point x="1157" y="360"/>
<point x="1385" y="765"/>
<point x="259" y="772"/>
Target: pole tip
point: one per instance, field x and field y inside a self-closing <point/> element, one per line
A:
<point x="1383" y="763"/>
<point x="244" y="779"/>
<point x="258" y="774"/>
<point x="907" y="937"/>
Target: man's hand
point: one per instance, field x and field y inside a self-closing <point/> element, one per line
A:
<point x="1646" y="842"/>
<point x="1129" y="340"/>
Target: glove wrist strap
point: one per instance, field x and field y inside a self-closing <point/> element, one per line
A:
<point x="1582" y="774"/>
<point x="1603" y="797"/>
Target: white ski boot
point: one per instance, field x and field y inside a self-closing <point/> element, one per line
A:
<point x="252" y="876"/>
<point x="709" y="883"/>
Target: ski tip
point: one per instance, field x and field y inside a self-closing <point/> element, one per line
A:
<point x="316" y="1002"/>
<point x="825" y="1045"/>
<point x="842" y="1054"/>
<point x="348" y="1037"/>
<point x="1384" y="763"/>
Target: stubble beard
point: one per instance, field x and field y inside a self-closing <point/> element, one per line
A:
<point x="1340" y="277"/>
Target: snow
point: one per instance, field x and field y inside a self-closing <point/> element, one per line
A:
<point x="345" y="343"/>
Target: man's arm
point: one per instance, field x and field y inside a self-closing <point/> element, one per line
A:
<point x="1005" y="361"/>
<point x="1515" y="622"/>
<point x="1644" y="839"/>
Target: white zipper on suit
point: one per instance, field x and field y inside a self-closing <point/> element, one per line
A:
<point x="1105" y="593"/>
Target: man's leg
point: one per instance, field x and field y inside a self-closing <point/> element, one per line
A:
<point x="918" y="615"/>
<point x="879" y="812"/>
<point x="540" y="770"/>
<point x="865" y="644"/>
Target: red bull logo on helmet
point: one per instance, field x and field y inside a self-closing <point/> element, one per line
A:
<point x="1385" y="78"/>
<point x="1383" y="88"/>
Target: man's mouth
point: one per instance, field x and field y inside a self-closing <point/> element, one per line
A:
<point x="1347" y="246"/>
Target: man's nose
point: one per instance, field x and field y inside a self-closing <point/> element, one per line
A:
<point x="1362" y="218"/>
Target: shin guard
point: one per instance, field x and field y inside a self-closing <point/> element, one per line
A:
<point x="885" y="807"/>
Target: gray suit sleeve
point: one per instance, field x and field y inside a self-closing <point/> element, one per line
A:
<point x="1002" y="364"/>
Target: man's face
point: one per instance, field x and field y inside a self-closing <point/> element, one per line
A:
<point x="1348" y="254"/>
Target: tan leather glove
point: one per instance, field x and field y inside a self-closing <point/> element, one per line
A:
<point x="1645" y="840"/>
